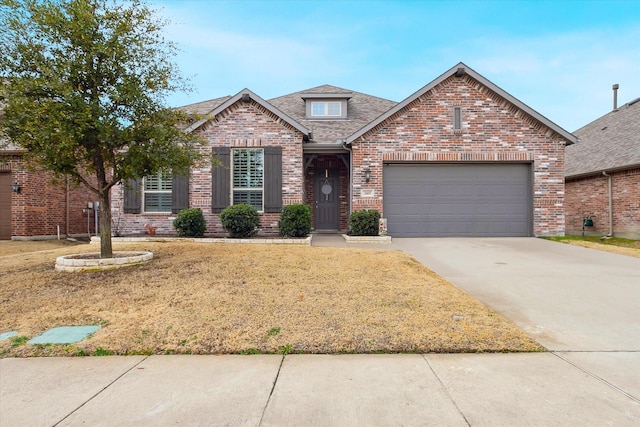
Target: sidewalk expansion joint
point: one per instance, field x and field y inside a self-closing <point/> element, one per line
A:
<point x="446" y="391"/>
<point x="273" y="387"/>
<point x="100" y="391"/>
<point x="597" y="377"/>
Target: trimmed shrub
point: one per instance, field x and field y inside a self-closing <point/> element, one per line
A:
<point x="295" y="221"/>
<point x="190" y="222"/>
<point x="365" y="223"/>
<point x="240" y="220"/>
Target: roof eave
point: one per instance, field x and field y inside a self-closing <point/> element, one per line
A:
<point x="601" y="171"/>
<point x="318" y="147"/>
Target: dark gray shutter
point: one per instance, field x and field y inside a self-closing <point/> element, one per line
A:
<point x="220" y="185"/>
<point x="132" y="196"/>
<point x="272" y="179"/>
<point x="179" y="193"/>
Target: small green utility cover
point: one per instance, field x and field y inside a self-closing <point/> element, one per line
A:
<point x="64" y="335"/>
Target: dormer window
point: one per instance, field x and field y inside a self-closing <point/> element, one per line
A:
<point x="326" y="106"/>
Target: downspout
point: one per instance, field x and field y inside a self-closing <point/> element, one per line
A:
<point x="610" y="202"/>
<point x="346" y="147"/>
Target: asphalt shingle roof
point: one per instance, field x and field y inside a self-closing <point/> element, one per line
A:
<point x="361" y="109"/>
<point x="204" y="107"/>
<point x="611" y="142"/>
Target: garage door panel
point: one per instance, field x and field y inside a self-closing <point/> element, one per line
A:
<point x="457" y="200"/>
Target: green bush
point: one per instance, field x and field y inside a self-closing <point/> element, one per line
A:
<point x="190" y="222"/>
<point x="295" y="221"/>
<point x="365" y="223"/>
<point x="240" y="220"/>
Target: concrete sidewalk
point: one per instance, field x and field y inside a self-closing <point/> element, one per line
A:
<point x="310" y="390"/>
<point x="579" y="303"/>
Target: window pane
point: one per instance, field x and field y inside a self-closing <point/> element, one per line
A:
<point x="157" y="193"/>
<point x="250" y="197"/>
<point x="248" y="167"/>
<point x="333" y="108"/>
<point x="157" y="202"/>
<point x="317" y="109"/>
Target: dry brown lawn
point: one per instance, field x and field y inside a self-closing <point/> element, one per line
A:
<point x="215" y="298"/>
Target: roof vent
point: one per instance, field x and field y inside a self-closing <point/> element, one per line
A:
<point x="615" y="96"/>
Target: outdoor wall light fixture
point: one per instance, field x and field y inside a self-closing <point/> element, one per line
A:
<point x="367" y="174"/>
<point x="15" y="187"/>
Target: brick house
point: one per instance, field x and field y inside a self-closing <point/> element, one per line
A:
<point x="35" y="206"/>
<point x="602" y="175"/>
<point x="459" y="157"/>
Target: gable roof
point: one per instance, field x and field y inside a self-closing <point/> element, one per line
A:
<point x="245" y="95"/>
<point x="609" y="143"/>
<point x="459" y="70"/>
<point x="361" y="109"/>
<point x="204" y="107"/>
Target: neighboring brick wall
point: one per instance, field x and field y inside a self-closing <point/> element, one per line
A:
<point x="590" y="196"/>
<point x="241" y="125"/>
<point x="41" y="207"/>
<point x="493" y="131"/>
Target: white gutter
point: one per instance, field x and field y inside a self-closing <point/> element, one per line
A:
<point x="610" y="202"/>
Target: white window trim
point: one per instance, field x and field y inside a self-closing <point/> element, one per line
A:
<point x="144" y="195"/>
<point x="234" y="189"/>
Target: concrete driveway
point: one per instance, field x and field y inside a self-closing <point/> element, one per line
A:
<point x="581" y="304"/>
<point x="567" y="297"/>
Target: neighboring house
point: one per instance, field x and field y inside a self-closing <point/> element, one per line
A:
<point x="34" y="206"/>
<point x="602" y="175"/>
<point x="459" y="157"/>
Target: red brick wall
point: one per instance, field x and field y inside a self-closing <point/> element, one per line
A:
<point x="493" y="131"/>
<point x="242" y="125"/>
<point x="42" y="205"/>
<point x="590" y="196"/>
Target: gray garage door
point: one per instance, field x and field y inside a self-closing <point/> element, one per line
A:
<point x="441" y="200"/>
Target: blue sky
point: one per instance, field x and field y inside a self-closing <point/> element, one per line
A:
<point x="559" y="57"/>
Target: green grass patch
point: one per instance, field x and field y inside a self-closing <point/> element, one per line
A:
<point x="618" y="241"/>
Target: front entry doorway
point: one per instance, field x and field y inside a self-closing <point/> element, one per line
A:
<point x="327" y="202"/>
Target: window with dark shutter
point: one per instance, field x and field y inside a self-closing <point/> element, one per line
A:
<point x="272" y="179"/>
<point x="132" y="196"/>
<point x="180" y="193"/>
<point x="220" y="176"/>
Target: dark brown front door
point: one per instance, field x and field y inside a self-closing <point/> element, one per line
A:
<point x="5" y="206"/>
<point x="327" y="200"/>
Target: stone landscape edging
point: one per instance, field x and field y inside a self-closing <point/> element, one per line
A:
<point x="367" y="239"/>
<point x="256" y="240"/>
<point x="76" y="262"/>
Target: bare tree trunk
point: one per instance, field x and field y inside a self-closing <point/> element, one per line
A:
<point x="106" y="249"/>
